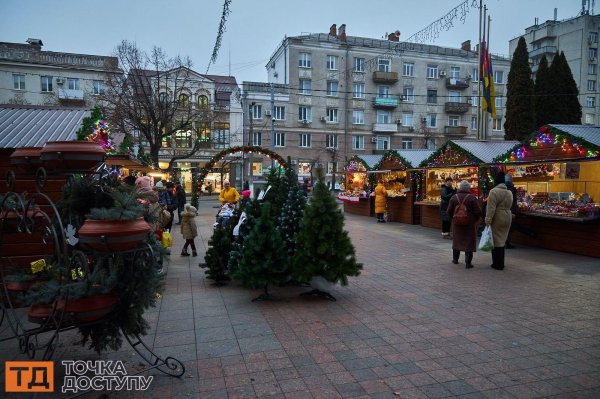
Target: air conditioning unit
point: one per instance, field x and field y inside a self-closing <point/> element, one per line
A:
<point x="294" y="162"/>
<point x="60" y="81"/>
<point x="442" y="73"/>
<point x="267" y="113"/>
<point x="373" y="139"/>
<point x="398" y="121"/>
<point x="469" y="76"/>
<point x="323" y="119"/>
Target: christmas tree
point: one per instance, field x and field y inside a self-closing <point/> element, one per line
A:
<point x="292" y="210"/>
<point x="263" y="261"/>
<point x="323" y="247"/>
<point x="217" y="255"/>
<point x="251" y="212"/>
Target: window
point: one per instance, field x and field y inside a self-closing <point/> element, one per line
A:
<point x="98" y="87"/>
<point x="304" y="114"/>
<point x="475" y="74"/>
<point x="257" y="111"/>
<point x="593" y="37"/>
<point x="304" y="60"/>
<point x="304" y="140"/>
<point x="332" y="89"/>
<point x="184" y="100"/>
<point x="407" y="119"/>
<point x="408" y="94"/>
<point x="202" y="101"/>
<point x="384" y="65"/>
<point x="432" y="120"/>
<point x="406" y="143"/>
<point x="358" y="64"/>
<point x="473" y="123"/>
<point x="221" y="136"/>
<point x="73" y="84"/>
<point x="46" y="82"/>
<point x="279" y="113"/>
<point x="162" y="97"/>
<point x="498" y="77"/>
<point x="408" y="69"/>
<point x="454" y="96"/>
<point x="383" y="143"/>
<point x="305" y="86"/>
<point x="431" y="96"/>
<point x="591" y="85"/>
<point x="304" y="168"/>
<point x="454" y="120"/>
<point x="383" y="91"/>
<point x="498" y="102"/>
<point x="455" y="72"/>
<point x="332" y="62"/>
<point x="257" y="138"/>
<point x="593" y="53"/>
<point x="358" y="90"/>
<point x="279" y="139"/>
<point x="183" y="138"/>
<point x="383" y="116"/>
<point x="332" y="115"/>
<point x="358" y="142"/>
<point x="358" y="117"/>
<point x="331" y="168"/>
<point x="592" y="68"/>
<point x="331" y="141"/>
<point x="497" y="124"/>
<point x="590" y="119"/>
<point x="18" y="81"/>
<point x="590" y="102"/>
<point x="432" y="71"/>
<point x="474" y="101"/>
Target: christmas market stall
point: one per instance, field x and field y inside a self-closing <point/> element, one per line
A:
<point x="356" y="190"/>
<point x="458" y="159"/>
<point x="557" y="176"/>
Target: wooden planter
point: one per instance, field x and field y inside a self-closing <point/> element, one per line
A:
<point x="26" y="159"/>
<point x="72" y="155"/>
<point x="91" y="308"/>
<point x="113" y="235"/>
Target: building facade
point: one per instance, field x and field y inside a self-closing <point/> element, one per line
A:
<point x="578" y="39"/>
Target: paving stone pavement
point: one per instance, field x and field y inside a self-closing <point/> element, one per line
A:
<point x="412" y="325"/>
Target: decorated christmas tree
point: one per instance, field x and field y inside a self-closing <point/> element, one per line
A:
<point x="263" y="260"/>
<point x="217" y="255"/>
<point x="323" y="248"/>
<point x="251" y="212"/>
<point x="94" y="128"/>
<point x="292" y="210"/>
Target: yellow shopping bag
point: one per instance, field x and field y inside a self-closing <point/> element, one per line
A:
<point x="167" y="240"/>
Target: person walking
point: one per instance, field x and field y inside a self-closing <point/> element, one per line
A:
<point x="499" y="217"/>
<point x="209" y="188"/>
<point x="189" y="230"/>
<point x="180" y="196"/>
<point x="228" y="194"/>
<point x="171" y="203"/>
<point x="380" y="201"/>
<point x="446" y="192"/>
<point x="464" y="236"/>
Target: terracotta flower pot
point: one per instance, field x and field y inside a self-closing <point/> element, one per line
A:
<point x="72" y="155"/>
<point x="27" y="159"/>
<point x="92" y="307"/>
<point x="113" y="235"/>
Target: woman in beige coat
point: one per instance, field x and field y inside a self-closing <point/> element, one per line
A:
<point x="380" y="201"/>
<point x="188" y="230"/>
<point x="499" y="216"/>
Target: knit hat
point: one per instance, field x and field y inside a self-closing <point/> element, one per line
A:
<point x="246" y="193"/>
<point x="159" y="184"/>
<point x="508" y="178"/>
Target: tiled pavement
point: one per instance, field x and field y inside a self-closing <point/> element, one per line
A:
<point x="412" y="325"/>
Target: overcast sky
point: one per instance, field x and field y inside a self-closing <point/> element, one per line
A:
<point x="254" y="27"/>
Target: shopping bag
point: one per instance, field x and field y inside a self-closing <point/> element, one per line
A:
<point x="167" y="240"/>
<point x="486" y="243"/>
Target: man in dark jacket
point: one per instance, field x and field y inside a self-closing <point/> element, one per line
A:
<point x="180" y="196"/>
<point x="446" y="192"/>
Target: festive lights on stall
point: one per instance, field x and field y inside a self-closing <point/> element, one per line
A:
<point x="101" y="135"/>
<point x="356" y="165"/>
<point x="450" y="154"/>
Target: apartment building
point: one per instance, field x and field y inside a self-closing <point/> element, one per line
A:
<point x="578" y="38"/>
<point x="349" y="95"/>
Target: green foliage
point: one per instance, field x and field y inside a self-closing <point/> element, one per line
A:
<point x="126" y="145"/>
<point x="263" y="260"/>
<point x="561" y="103"/>
<point x="323" y="247"/>
<point x="520" y="118"/>
<point x="125" y="206"/>
<point x="195" y="194"/>
<point x="275" y="196"/>
<point x="80" y="195"/>
<point x="291" y="212"/>
<point x="542" y="93"/>
<point x="217" y="254"/>
<point x="252" y="211"/>
<point x="87" y="124"/>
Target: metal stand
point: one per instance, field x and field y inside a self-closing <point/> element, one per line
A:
<point x="321" y="294"/>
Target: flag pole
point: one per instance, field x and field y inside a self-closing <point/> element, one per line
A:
<point x="479" y="77"/>
<point x="491" y="78"/>
<point x="483" y="114"/>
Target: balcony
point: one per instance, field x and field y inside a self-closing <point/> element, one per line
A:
<point x="385" y="102"/>
<point x="455" y="130"/>
<point x="541" y="51"/>
<point x="385" y="77"/>
<point x="456" y="107"/>
<point x="454" y="83"/>
<point x="385" y="127"/>
<point x="70" y="95"/>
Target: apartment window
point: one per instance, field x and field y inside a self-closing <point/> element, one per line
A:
<point x="304" y="114"/>
<point x="497" y="124"/>
<point x="257" y="111"/>
<point x="184" y="100"/>
<point x="305" y="86"/>
<point x="358" y="117"/>
<point x="432" y="120"/>
<point x="593" y="37"/>
<point x="183" y="138"/>
<point x="221" y="135"/>
<point x="98" y="87"/>
<point x="590" y="119"/>
<point x="332" y="115"/>
<point x="332" y="62"/>
<point x="408" y="94"/>
<point x="474" y="101"/>
<point x="73" y="84"/>
<point x="331" y="141"/>
<point x="475" y="74"/>
<point x="590" y="102"/>
<point x="304" y="60"/>
<point x="383" y="143"/>
<point x="257" y="138"/>
<point x="358" y="142"/>
<point x="498" y="102"/>
<point x="591" y="85"/>
<point x="473" y="123"/>
<point x="455" y="72"/>
<point x="383" y="91"/>
<point x="162" y="97"/>
<point x="454" y="120"/>
<point x="383" y="116"/>
<point x="332" y="88"/>
<point x="593" y="53"/>
<point x="331" y="168"/>
<point x="592" y="69"/>
<point x="454" y="96"/>
<point x="202" y="101"/>
<point x="431" y="96"/>
<point x="46" y="82"/>
<point x="432" y="71"/>
<point x="358" y="65"/>
<point x="279" y="139"/>
<point x="407" y="119"/>
<point x="408" y="69"/>
<point x="304" y="140"/>
<point x="279" y="113"/>
<point x="18" y="81"/>
<point x="358" y="90"/>
<point x="384" y="65"/>
<point x="406" y="143"/>
<point x="498" y="77"/>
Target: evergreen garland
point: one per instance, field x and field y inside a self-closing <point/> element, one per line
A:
<point x="125" y="206"/>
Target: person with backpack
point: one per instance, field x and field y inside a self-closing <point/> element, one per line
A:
<point x="464" y="211"/>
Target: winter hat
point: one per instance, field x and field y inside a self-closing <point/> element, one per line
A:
<point x="499" y="178"/>
<point x="190" y="208"/>
<point x="159" y="184"/>
<point x="246" y="193"/>
<point x="464" y="185"/>
<point x="170" y="184"/>
<point x="508" y="179"/>
<point x="143" y="182"/>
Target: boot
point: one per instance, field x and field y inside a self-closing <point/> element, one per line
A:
<point x="497" y="258"/>
<point x="184" y="252"/>
<point x="455" y="256"/>
<point x="468" y="260"/>
<point x="194" y="253"/>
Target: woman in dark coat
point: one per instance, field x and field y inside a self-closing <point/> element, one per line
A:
<point x="446" y="192"/>
<point x="464" y="238"/>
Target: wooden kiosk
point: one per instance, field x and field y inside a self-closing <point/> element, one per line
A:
<point x="557" y="176"/>
<point x="356" y="190"/>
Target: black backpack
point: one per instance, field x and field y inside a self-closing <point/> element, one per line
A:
<point x="461" y="216"/>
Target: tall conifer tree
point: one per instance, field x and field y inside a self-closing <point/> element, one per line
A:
<point x="570" y="106"/>
<point x="542" y="93"/>
<point x="520" y="118"/>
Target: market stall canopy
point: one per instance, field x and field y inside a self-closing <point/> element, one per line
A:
<point x="33" y="126"/>
<point x="362" y="163"/>
<point x="555" y="143"/>
<point x="467" y="152"/>
<point x="392" y="160"/>
<point x="415" y="157"/>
